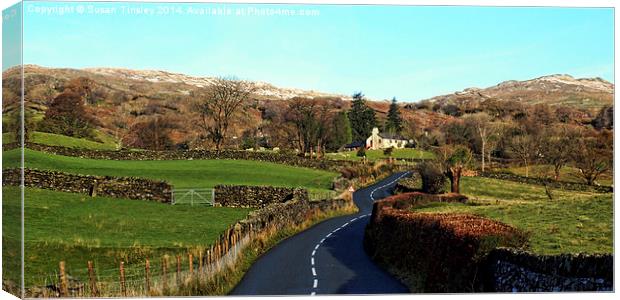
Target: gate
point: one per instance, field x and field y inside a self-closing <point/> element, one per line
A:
<point x="198" y="196"/>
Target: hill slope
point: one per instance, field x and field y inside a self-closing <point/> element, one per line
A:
<point x="578" y="93"/>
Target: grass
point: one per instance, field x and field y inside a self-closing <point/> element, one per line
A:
<point x="574" y="222"/>
<point x="77" y="228"/>
<point x="567" y="173"/>
<point x="182" y="173"/>
<point x="67" y="141"/>
<point x="378" y="154"/>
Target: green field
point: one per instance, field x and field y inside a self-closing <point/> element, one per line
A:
<point x="67" y="141"/>
<point x="378" y="154"/>
<point x="182" y="173"/>
<point x="77" y="228"/>
<point x="573" y="222"/>
<point x="566" y="174"/>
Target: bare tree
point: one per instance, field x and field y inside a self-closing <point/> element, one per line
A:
<point x="525" y="148"/>
<point x="311" y="119"/>
<point x="558" y="147"/>
<point x="218" y="104"/>
<point x="485" y="130"/>
<point x="593" y="156"/>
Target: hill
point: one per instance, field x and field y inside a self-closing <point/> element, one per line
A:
<point x="120" y="98"/>
<point x="590" y="94"/>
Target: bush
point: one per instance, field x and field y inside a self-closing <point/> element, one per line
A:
<point x="435" y="252"/>
<point x="361" y="152"/>
<point x="433" y="180"/>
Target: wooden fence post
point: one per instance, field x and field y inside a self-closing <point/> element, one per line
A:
<point x="64" y="288"/>
<point x="122" y="277"/>
<point x="200" y="262"/>
<point x="92" y="279"/>
<point x="178" y="269"/>
<point x="147" y="277"/>
<point x="190" y="259"/>
<point x="164" y="271"/>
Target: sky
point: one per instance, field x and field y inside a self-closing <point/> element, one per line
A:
<point x="407" y="52"/>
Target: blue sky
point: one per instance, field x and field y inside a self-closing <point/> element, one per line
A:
<point x="411" y="53"/>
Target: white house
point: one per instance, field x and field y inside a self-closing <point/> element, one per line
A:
<point x="382" y="141"/>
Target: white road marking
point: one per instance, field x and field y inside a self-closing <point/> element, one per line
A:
<point x="315" y="284"/>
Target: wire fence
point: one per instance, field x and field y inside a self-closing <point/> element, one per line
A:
<point x="142" y="277"/>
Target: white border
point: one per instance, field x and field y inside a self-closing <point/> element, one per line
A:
<point x="564" y="3"/>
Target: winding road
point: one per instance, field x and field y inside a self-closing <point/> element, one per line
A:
<point x="327" y="258"/>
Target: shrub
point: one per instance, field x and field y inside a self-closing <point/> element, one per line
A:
<point x="435" y="252"/>
<point x="433" y="179"/>
<point x="361" y="152"/>
<point x="388" y="151"/>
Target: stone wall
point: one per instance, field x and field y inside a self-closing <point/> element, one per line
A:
<point x="272" y="157"/>
<point x="109" y="186"/>
<point x="565" y="185"/>
<point x="511" y="270"/>
<point x="256" y="196"/>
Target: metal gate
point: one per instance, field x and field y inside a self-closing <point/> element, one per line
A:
<point x="197" y="196"/>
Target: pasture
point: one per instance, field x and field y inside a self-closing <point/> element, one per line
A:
<point x="77" y="228"/>
<point x="182" y="173"/>
<point x="573" y="222"/>
<point x="378" y="154"/>
<point x="107" y="142"/>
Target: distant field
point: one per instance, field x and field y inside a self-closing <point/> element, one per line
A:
<point x="66" y="141"/>
<point x="566" y="174"/>
<point x="77" y="228"/>
<point x="378" y="154"/>
<point x="573" y="222"/>
<point x="182" y="173"/>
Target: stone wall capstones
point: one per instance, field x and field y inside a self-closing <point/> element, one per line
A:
<point x="118" y="187"/>
<point x="256" y="196"/>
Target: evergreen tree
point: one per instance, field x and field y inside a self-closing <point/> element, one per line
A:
<point x="393" y="124"/>
<point x="362" y="118"/>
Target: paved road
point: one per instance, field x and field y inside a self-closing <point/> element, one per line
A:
<point x="327" y="258"/>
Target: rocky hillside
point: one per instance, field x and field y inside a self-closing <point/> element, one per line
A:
<point x="119" y="98"/>
<point x="579" y="93"/>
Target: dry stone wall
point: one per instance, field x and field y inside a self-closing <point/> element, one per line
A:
<point x="511" y="270"/>
<point x="109" y="186"/>
<point x="256" y="196"/>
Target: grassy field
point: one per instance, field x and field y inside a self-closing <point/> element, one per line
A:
<point x="77" y="228"/>
<point x="378" y="154"/>
<point x="67" y="141"/>
<point x="573" y="222"/>
<point x="182" y="173"/>
<point x="566" y="174"/>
